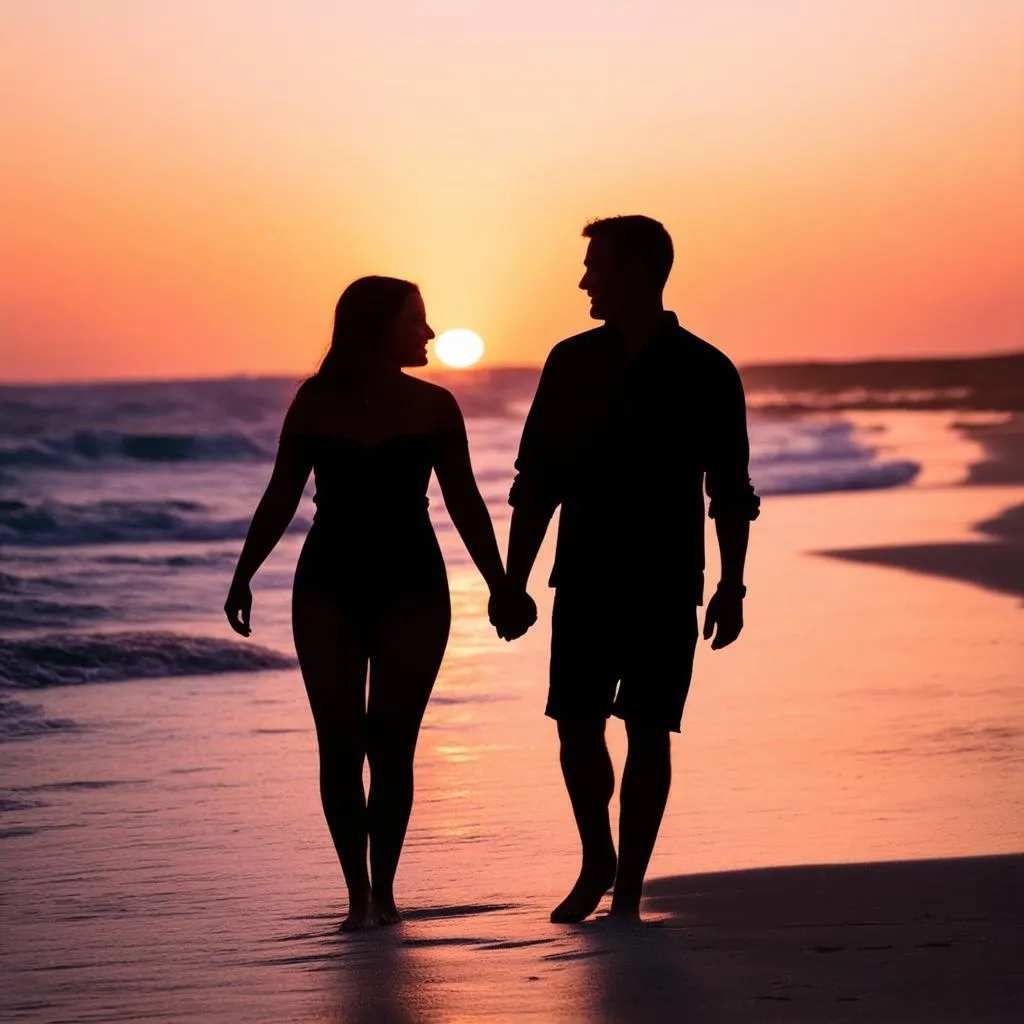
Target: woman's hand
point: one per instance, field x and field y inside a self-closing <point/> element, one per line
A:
<point x="238" y="607"/>
<point x="511" y="611"/>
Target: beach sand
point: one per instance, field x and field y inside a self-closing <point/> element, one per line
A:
<point x="901" y="941"/>
<point x="168" y="861"/>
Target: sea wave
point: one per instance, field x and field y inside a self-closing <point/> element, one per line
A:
<point x="71" y="659"/>
<point x="19" y="721"/>
<point x="204" y="560"/>
<point x="25" y="612"/>
<point x="11" y="584"/>
<point x="819" y="456"/>
<point x="60" y="524"/>
<point x="87" y="447"/>
<point x="851" y="476"/>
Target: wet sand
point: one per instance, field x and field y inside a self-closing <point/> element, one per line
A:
<point x="168" y="859"/>
<point x="995" y="559"/>
<point x="1004" y="445"/>
<point x="903" y="941"/>
<point x="937" y="941"/>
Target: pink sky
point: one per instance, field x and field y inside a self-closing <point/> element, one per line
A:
<point x="188" y="186"/>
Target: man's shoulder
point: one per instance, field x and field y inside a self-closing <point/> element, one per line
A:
<point x="579" y="346"/>
<point x="710" y="358"/>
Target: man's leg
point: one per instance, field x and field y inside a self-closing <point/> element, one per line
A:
<point x="645" y="786"/>
<point x="590" y="780"/>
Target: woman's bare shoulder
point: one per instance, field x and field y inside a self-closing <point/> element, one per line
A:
<point x="435" y="402"/>
<point x="305" y="413"/>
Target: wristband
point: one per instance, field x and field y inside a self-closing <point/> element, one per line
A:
<point x="733" y="588"/>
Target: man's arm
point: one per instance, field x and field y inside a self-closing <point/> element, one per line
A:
<point x="525" y="536"/>
<point x="733" y="532"/>
<point x="734" y="504"/>
<point x="535" y="494"/>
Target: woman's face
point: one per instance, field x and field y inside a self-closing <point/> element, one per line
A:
<point x="406" y="341"/>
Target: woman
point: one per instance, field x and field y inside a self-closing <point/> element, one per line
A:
<point x="370" y="586"/>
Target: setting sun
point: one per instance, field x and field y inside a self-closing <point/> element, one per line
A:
<point x="459" y="347"/>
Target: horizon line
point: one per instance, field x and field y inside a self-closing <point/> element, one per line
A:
<point x="499" y="367"/>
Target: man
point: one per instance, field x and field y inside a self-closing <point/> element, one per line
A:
<point x="630" y="422"/>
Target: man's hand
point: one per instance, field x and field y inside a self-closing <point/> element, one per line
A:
<point x="725" y="611"/>
<point x="511" y="612"/>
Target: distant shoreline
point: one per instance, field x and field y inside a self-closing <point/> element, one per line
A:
<point x="994" y="381"/>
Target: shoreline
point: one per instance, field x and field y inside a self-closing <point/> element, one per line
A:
<point x="869" y="715"/>
<point x="890" y="940"/>
<point x="995" y="561"/>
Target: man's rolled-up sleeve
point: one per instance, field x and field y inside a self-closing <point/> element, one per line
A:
<point x="727" y="470"/>
<point x="539" y="478"/>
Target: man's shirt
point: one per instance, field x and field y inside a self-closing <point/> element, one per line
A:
<point x="626" y="445"/>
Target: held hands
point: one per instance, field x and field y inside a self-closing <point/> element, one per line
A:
<point x="725" y="611"/>
<point x="511" y="611"/>
<point x="238" y="607"/>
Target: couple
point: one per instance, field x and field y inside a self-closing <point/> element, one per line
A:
<point x="631" y="422"/>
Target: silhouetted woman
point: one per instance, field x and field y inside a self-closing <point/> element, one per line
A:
<point x="370" y="586"/>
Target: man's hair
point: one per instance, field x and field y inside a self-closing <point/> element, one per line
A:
<point x="637" y="238"/>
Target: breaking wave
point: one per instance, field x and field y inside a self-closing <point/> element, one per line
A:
<point x="73" y="659"/>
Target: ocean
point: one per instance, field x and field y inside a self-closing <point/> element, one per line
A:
<point x="162" y="851"/>
<point x="123" y="507"/>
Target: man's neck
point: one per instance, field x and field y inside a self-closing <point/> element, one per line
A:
<point x="638" y="326"/>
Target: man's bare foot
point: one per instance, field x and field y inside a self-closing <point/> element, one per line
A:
<point x="362" y="913"/>
<point x="594" y="881"/>
<point x="387" y="912"/>
<point x="624" y="908"/>
<point x="623" y="918"/>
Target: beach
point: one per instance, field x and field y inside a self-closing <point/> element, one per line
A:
<point x="230" y="225"/>
<point x="844" y="840"/>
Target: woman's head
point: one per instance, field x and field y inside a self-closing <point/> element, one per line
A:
<point x="378" y="322"/>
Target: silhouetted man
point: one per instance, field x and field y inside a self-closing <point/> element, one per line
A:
<point x="630" y="423"/>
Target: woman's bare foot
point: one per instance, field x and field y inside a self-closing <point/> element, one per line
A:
<point x="362" y="913"/>
<point x="594" y="881"/>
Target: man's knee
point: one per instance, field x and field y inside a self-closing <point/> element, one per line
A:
<point x="581" y="732"/>
<point x="645" y="738"/>
<point x="583" y="753"/>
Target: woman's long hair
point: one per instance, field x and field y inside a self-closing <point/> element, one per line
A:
<point x="366" y="310"/>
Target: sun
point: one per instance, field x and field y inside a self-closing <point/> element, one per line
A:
<point x="459" y="348"/>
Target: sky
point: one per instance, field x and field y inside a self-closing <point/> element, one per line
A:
<point x="185" y="188"/>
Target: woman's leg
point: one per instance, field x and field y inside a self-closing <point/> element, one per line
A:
<point x="332" y="652"/>
<point x="405" y="656"/>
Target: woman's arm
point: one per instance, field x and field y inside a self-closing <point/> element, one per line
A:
<point x="461" y="495"/>
<point x="271" y="518"/>
<point x="276" y="508"/>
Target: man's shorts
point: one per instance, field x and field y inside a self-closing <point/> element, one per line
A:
<point x="620" y="654"/>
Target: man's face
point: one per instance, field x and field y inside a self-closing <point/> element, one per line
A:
<point x="603" y="281"/>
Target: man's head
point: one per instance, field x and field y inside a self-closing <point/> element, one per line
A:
<point x="628" y="261"/>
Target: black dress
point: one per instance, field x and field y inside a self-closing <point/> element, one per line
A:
<point x="371" y="544"/>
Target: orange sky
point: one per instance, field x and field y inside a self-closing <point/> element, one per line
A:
<point x="187" y="186"/>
